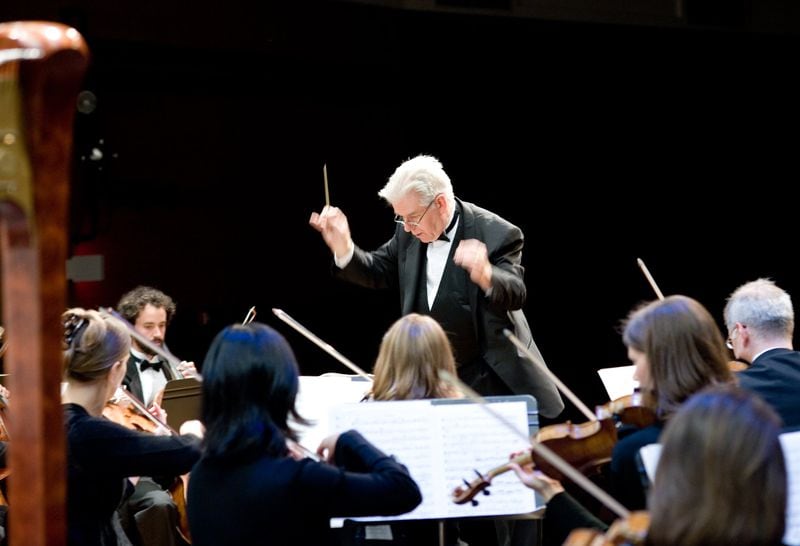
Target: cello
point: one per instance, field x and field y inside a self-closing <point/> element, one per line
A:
<point x="42" y="65"/>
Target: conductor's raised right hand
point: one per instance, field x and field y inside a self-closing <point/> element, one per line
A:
<point x="332" y="224"/>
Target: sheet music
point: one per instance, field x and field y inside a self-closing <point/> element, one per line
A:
<point x="790" y="441"/>
<point x="442" y="445"/>
<point x="315" y="398"/>
<point x="618" y="381"/>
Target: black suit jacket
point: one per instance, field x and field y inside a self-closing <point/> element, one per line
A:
<point x="775" y="376"/>
<point x="396" y="264"/>
<point x="132" y="381"/>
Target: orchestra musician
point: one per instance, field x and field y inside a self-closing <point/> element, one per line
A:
<point x="677" y="349"/>
<point x="720" y="447"/>
<point x="412" y="353"/>
<point x="759" y="317"/>
<point x="150" y="514"/>
<point x="253" y="484"/>
<point x="103" y="454"/>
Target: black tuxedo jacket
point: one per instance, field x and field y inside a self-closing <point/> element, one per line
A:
<point x="133" y="383"/>
<point x="775" y="376"/>
<point x="396" y="264"/>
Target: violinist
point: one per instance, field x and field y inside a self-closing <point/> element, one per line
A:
<point x="149" y="515"/>
<point x="702" y="495"/>
<point x="253" y="485"/>
<point x="412" y="352"/>
<point x="103" y="454"/>
<point x="759" y="317"/>
<point x="677" y="349"/>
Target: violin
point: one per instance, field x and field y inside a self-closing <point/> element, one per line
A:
<point x="122" y="411"/>
<point x="586" y="446"/>
<point x="126" y="410"/>
<point x="627" y="531"/>
<point x="630" y="409"/>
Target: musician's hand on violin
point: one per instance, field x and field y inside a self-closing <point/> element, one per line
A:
<point x="536" y="479"/>
<point x="472" y="255"/>
<point x="158" y="412"/>
<point x="327" y="448"/>
<point x="187" y="369"/>
<point x="193" y="426"/>
<point x="332" y="224"/>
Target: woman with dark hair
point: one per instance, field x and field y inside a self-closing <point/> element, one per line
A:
<point x="720" y="479"/>
<point x="252" y="485"/>
<point x="677" y="349"/>
<point x="101" y="455"/>
<point x="719" y="449"/>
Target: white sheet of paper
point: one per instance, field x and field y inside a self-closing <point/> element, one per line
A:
<point x="618" y="381"/>
<point x="315" y="398"/>
<point x="649" y="455"/>
<point x="790" y="441"/>
<point x="442" y="445"/>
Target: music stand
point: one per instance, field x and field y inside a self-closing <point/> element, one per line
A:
<point x="181" y="401"/>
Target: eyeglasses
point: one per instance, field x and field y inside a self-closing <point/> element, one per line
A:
<point x="732" y="336"/>
<point x="411" y="223"/>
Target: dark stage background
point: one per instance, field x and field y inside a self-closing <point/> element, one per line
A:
<point x="604" y="142"/>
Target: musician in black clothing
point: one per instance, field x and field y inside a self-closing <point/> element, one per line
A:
<point x="150" y="515"/>
<point x="101" y="455"/>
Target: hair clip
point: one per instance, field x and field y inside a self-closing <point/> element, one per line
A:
<point x="73" y="325"/>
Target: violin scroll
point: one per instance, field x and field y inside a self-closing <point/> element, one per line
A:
<point x="463" y="495"/>
<point x="631" y="409"/>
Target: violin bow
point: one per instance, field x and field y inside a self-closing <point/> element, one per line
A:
<point x="172" y="361"/>
<point x="650" y="278"/>
<point x="319" y="343"/>
<point x="141" y="408"/>
<point x="250" y="316"/>
<point x="543" y="451"/>
<point x="561" y="386"/>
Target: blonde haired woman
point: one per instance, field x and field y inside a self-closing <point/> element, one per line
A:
<point x="413" y="352"/>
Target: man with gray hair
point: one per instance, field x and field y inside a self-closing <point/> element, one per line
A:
<point x="759" y="317"/>
<point x="458" y="263"/>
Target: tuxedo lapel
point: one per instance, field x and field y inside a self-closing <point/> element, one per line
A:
<point x="410" y="273"/>
<point x="131" y="380"/>
<point x="468" y="231"/>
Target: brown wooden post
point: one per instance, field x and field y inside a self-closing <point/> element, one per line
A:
<point x="41" y="68"/>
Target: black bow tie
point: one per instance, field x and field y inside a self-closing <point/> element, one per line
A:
<point x="144" y="364"/>
<point x="443" y="236"/>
